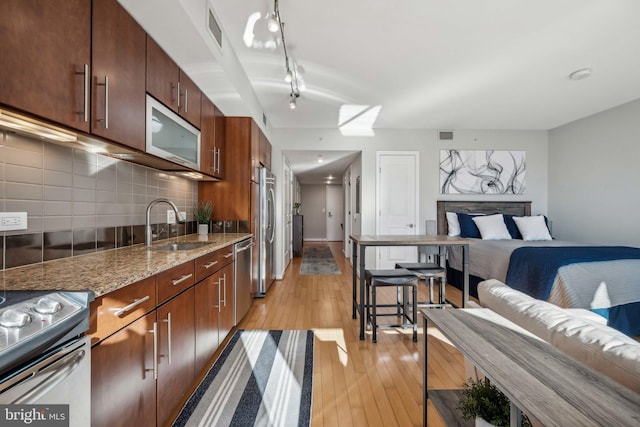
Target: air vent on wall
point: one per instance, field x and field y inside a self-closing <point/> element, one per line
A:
<point x="215" y="29"/>
<point x="445" y="135"/>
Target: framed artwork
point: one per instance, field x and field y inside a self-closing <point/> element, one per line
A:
<point x="482" y="172"/>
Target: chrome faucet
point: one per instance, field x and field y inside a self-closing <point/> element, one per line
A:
<point x="148" y="235"/>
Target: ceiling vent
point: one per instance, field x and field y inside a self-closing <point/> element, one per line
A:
<point x="446" y="135"/>
<point x="214" y="28"/>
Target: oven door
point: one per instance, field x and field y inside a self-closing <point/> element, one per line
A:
<point x="63" y="376"/>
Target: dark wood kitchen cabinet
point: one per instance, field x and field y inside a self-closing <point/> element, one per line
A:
<point x="212" y="140"/>
<point x="207" y="309"/>
<point x="123" y="386"/>
<point x="170" y="85"/>
<point x="118" y="102"/>
<point x="227" y="304"/>
<point x="176" y="347"/>
<point x="232" y="197"/>
<point x="45" y="53"/>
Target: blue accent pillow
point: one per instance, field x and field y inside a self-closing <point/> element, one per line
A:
<point x="468" y="228"/>
<point x="511" y="226"/>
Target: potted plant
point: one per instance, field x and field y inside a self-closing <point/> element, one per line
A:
<point x="203" y="212"/>
<point x="296" y="208"/>
<point x="486" y="403"/>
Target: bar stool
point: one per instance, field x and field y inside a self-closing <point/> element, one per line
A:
<point x="428" y="271"/>
<point x="400" y="279"/>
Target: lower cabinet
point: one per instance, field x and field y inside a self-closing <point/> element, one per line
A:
<point x="123" y="384"/>
<point x="207" y="309"/>
<point x="176" y="346"/>
<point x="227" y="303"/>
<point x="143" y="369"/>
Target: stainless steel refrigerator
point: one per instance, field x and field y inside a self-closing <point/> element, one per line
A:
<point x="266" y="231"/>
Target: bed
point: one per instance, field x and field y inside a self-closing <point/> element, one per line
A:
<point x="604" y="279"/>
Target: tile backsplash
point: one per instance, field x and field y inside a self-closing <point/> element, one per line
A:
<point x="79" y="202"/>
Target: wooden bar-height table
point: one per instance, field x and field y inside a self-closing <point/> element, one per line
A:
<point x="364" y="241"/>
<point x="538" y="379"/>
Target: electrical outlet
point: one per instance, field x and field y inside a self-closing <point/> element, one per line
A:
<point x="171" y="217"/>
<point x="13" y="221"/>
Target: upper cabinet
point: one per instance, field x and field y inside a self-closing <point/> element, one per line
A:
<point x="212" y="140"/>
<point x="45" y="53"/>
<point x="118" y="75"/>
<point x="170" y="85"/>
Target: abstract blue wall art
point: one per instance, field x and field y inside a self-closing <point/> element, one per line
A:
<point x="482" y="172"/>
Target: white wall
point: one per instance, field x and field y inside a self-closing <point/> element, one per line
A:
<point x="594" y="176"/>
<point x="535" y="143"/>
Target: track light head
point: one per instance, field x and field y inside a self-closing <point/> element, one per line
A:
<point x="292" y="100"/>
<point x="288" y="77"/>
<point x="272" y="24"/>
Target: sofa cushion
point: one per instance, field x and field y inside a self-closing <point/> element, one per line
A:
<point x="579" y="333"/>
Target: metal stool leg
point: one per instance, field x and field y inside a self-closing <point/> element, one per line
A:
<point x="374" y="322"/>
<point x="415" y="314"/>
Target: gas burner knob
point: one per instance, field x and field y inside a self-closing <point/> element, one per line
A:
<point x="12" y="318"/>
<point x="47" y="306"/>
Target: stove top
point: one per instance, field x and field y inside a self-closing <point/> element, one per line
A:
<point x="33" y="322"/>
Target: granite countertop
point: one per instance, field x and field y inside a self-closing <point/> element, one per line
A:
<point x="107" y="271"/>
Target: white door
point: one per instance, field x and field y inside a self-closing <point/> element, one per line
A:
<point x="288" y="212"/>
<point x="335" y="213"/>
<point x="396" y="203"/>
<point x="346" y="185"/>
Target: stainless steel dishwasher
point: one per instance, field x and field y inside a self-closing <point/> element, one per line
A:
<point x="243" y="276"/>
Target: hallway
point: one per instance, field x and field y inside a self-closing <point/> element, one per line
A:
<point x="356" y="382"/>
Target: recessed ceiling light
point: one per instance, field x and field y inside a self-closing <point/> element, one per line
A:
<point x="580" y="74"/>
<point x="320" y="160"/>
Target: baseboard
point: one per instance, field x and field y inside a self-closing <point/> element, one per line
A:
<point x="315" y="240"/>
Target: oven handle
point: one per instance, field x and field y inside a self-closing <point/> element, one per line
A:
<point x="62" y="369"/>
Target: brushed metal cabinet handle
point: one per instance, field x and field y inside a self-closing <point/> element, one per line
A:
<point x="135" y="303"/>
<point x="182" y="279"/>
<point x="168" y="322"/>
<point x="85" y="95"/>
<point x="106" y="102"/>
<point x="154" y="331"/>
<point x="211" y="264"/>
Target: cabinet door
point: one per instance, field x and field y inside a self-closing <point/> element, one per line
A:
<point x="219" y="143"/>
<point x="176" y="351"/>
<point x="190" y="100"/>
<point x="123" y="387"/>
<point x="45" y="53"/>
<point x="163" y="75"/>
<point x="207" y="310"/>
<point x="208" y="161"/>
<point x="265" y="151"/>
<point x="255" y="151"/>
<point x="118" y="69"/>
<point x="227" y="304"/>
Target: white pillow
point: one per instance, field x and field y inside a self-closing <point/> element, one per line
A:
<point x="492" y="227"/>
<point x="532" y="227"/>
<point x="453" y="225"/>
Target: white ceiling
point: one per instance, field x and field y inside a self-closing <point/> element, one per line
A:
<point x="455" y="64"/>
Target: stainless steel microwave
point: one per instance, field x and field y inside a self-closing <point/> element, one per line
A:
<point x="170" y="136"/>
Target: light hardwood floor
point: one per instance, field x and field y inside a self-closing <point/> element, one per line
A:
<point x="356" y="382"/>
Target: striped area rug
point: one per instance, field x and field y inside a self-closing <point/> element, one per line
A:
<point x="262" y="378"/>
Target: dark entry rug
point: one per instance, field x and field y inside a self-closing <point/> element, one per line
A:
<point x="262" y="378"/>
<point x="318" y="260"/>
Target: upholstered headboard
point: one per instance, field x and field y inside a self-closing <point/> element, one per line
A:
<point x="476" y="206"/>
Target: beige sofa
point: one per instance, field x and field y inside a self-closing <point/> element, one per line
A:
<point x="579" y="333"/>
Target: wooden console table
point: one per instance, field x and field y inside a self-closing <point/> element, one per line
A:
<point x="537" y="378"/>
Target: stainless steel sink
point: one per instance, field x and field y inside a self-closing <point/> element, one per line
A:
<point x="181" y="246"/>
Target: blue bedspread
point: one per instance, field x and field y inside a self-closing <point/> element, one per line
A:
<point x="532" y="270"/>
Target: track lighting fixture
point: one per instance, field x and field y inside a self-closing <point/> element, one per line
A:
<point x="292" y="100"/>
<point x="275" y="21"/>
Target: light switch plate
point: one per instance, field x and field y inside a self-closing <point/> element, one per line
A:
<point x="13" y="221"/>
<point x="171" y="217"/>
